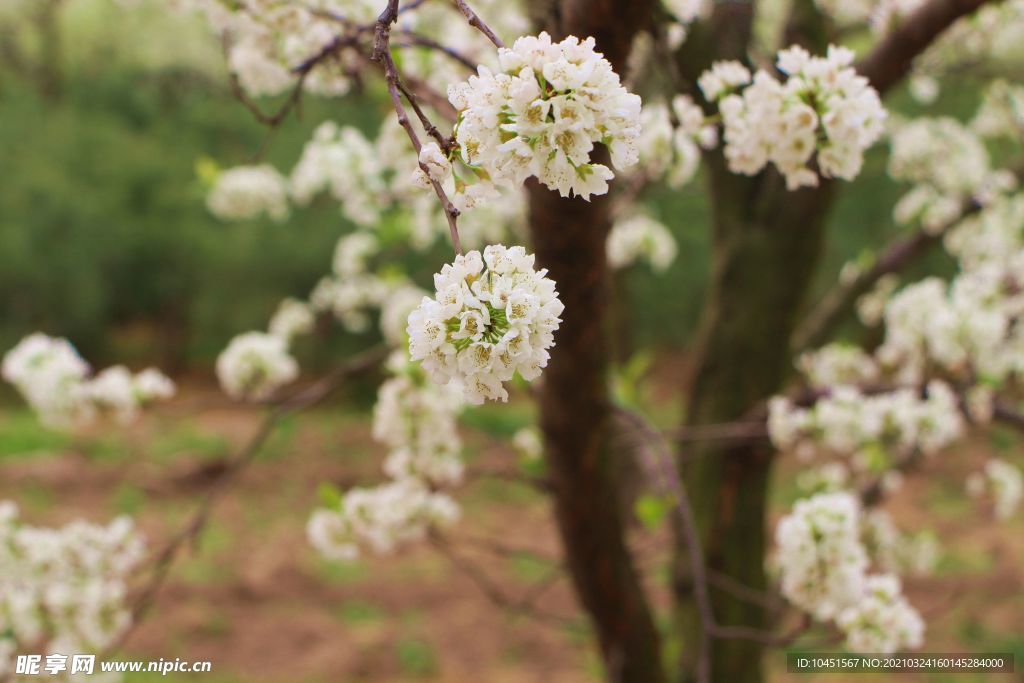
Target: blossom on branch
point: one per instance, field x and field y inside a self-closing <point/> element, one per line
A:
<point x="818" y="122"/>
<point x="254" y="365"/>
<point x="63" y="589"/>
<point x="246" y="192"/>
<point x="542" y="116"/>
<point x="493" y="315"/>
<point x="55" y="382"/>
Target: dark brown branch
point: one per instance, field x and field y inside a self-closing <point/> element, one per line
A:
<point x="893" y="57"/>
<point x="477" y="23"/>
<point x="382" y="54"/>
<point x="414" y="39"/>
<point x="821" y="323"/>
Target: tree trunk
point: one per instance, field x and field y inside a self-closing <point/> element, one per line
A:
<point x="569" y="239"/>
<point x="767" y="243"/>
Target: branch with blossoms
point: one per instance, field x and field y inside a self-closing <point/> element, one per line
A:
<point x="837" y="305"/>
<point x="161" y="564"/>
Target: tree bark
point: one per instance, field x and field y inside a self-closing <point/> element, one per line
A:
<point x="767" y="243"/>
<point x="569" y="240"/>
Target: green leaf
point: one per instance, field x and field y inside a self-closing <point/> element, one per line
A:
<point x="329" y="494"/>
<point x="651" y="510"/>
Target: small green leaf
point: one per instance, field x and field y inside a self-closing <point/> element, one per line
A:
<point x="329" y="495"/>
<point x="651" y="510"/>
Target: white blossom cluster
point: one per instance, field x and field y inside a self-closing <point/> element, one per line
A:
<point x="819" y="121"/>
<point x="528" y="443"/>
<point x="671" y="139"/>
<point x="270" y="42"/>
<point x="992" y="32"/>
<point x="267" y="40"/>
<point x="993" y="235"/>
<point x="55" y="382"/>
<point x="1001" y="114"/>
<point x="848" y="422"/>
<point x="641" y="238"/>
<point x="493" y="315"/>
<point x="291" y="319"/>
<point x="381" y="518"/>
<point x="871" y="305"/>
<point x="354" y="290"/>
<point x="63" y="589"/>
<point x="370" y="180"/>
<point x="969" y="328"/>
<point x="823" y="569"/>
<point x="1003" y="481"/>
<point x="882" y="15"/>
<point x="895" y="551"/>
<point x="821" y="559"/>
<point x="948" y="164"/>
<point x="838" y="364"/>
<point x="881" y="620"/>
<point x="247" y="192"/>
<point x="541" y="115"/>
<point x="255" y="365"/>
<point x="415" y="419"/>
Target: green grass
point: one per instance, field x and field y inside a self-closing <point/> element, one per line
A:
<point x="500" y="420"/>
<point x="416" y="658"/>
<point x="361" y="613"/>
<point x="188" y="440"/>
<point x="22" y="435"/>
<point x="129" y="500"/>
<point x="343" y="572"/>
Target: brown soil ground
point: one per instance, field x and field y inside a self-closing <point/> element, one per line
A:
<point x="252" y="597"/>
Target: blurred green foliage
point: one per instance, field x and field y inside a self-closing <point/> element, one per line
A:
<point x="104" y="237"/>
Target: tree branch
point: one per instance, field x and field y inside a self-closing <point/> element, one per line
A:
<point x="189" y="534"/>
<point x="382" y="54"/>
<point x="892" y="58"/>
<point x="820" y="324"/>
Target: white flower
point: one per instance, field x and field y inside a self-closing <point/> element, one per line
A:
<point x="491" y="317"/>
<point x="254" y="365"/>
<point x="823" y="111"/>
<point x="48" y="372"/>
<point x="838" y="364"/>
<point x="641" y="237"/>
<point x="542" y="114"/>
<point x="245" y="192"/>
<point x="881" y="621"/>
<point x="850" y="423"/>
<point x="820" y="557"/>
<point x="416" y="420"/>
<point x="528" y="443"/>
<point x="381" y="518"/>
<point x="153" y="385"/>
<point x="53" y="378"/>
<point x="723" y="78"/>
<point x="65" y="587"/>
<point x="1004" y="481"/>
<point x="437" y="164"/>
<point x="292" y="318"/>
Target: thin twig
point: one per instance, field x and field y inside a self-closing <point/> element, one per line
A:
<point x="490" y="589"/>
<point x="382" y="54"/>
<point x="673" y="484"/>
<point x="477" y="23"/>
<point x="189" y="534"/>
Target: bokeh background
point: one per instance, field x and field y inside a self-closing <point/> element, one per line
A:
<point x="111" y="118"/>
